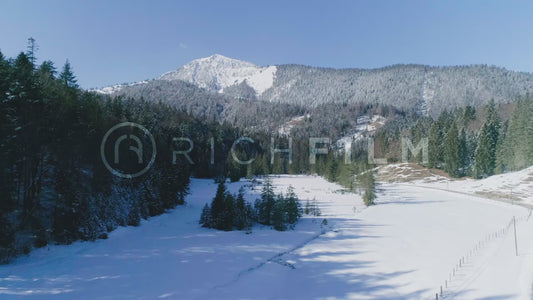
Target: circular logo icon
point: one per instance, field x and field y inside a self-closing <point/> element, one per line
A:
<point x="124" y="148"/>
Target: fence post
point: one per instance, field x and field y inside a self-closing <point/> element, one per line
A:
<point x="515" y="242"/>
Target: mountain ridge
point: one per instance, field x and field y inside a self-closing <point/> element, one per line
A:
<point x="426" y="89"/>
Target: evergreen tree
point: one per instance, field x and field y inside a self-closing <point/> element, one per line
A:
<point x="261" y="165"/>
<point x="277" y="167"/>
<point x="218" y="206"/>
<point x="31" y="50"/>
<point x="279" y="213"/>
<point x="485" y="157"/>
<point x="501" y="160"/>
<point x="228" y="214"/>
<point x="67" y="76"/>
<point x="241" y="219"/>
<point x="332" y="167"/>
<point x="7" y="239"/>
<point x="435" y="139"/>
<point x="452" y="155"/>
<point x="368" y="183"/>
<point x="205" y="218"/>
<point x="471" y="146"/>
<point x="463" y="154"/>
<point x="294" y="210"/>
<point x="233" y="169"/>
<point x="249" y="172"/>
<point x="265" y="205"/>
<point x="517" y="149"/>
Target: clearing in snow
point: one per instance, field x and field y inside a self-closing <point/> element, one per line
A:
<point x="411" y="243"/>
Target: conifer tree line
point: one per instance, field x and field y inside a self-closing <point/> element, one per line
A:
<point x="54" y="187"/>
<point x="228" y="212"/>
<point x="499" y="145"/>
<point x="476" y="142"/>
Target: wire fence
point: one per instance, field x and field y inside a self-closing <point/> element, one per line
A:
<point x="455" y="281"/>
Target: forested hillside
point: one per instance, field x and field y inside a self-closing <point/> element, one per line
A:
<point x="427" y="90"/>
<point x="407" y="87"/>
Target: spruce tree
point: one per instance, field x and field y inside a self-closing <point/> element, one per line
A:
<point x="228" y="214"/>
<point x="218" y="206"/>
<point x="463" y="153"/>
<point x="435" y="139"/>
<point x="240" y="220"/>
<point x="518" y="148"/>
<point x="205" y="218"/>
<point x="332" y="167"/>
<point x="233" y="170"/>
<point x="67" y="77"/>
<point x="249" y="172"/>
<point x="278" y="166"/>
<point x="501" y="153"/>
<point x="265" y="205"/>
<point x="452" y="155"/>
<point x="31" y="50"/>
<point x="485" y="158"/>
<point x="294" y="210"/>
<point x="368" y="183"/>
<point x="279" y="213"/>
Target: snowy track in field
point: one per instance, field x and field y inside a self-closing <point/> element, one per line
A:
<point x="274" y="259"/>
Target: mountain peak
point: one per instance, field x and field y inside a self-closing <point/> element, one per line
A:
<point x="217" y="72"/>
<point x="219" y="61"/>
<point x="217" y="56"/>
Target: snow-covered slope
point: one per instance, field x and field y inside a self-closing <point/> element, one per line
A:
<point x="514" y="187"/>
<point x="217" y="72"/>
<point x="108" y="90"/>
<point x="405" y="247"/>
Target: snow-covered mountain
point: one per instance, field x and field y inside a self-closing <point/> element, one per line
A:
<point x="214" y="73"/>
<point x="217" y="72"/>
<point x="425" y="89"/>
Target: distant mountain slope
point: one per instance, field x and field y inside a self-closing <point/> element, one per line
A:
<point x="422" y="88"/>
<point x="403" y="86"/>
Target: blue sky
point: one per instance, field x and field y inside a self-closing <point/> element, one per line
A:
<point x="110" y="42"/>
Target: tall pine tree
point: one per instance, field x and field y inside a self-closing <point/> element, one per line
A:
<point x="452" y="155"/>
<point x="485" y="157"/>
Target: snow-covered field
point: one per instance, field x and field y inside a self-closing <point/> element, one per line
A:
<point x="513" y="187"/>
<point x="405" y="247"/>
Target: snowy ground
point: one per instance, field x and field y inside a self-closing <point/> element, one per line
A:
<point x="512" y="187"/>
<point x="515" y="187"/>
<point x="405" y="247"/>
